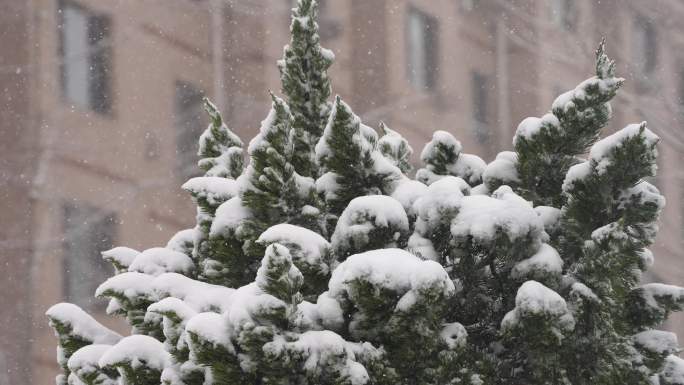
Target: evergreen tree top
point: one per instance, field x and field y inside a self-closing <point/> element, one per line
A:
<point x="395" y="148"/>
<point x="220" y="150"/>
<point x="605" y="67"/>
<point x="547" y="147"/>
<point x="305" y="83"/>
<point x="218" y="137"/>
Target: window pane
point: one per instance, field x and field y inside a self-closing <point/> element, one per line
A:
<point x="680" y="94"/>
<point x="85" y="58"/>
<point x="431" y="51"/>
<point x="479" y="97"/>
<point x="416" y="49"/>
<point x="645" y="45"/>
<point x="99" y="45"/>
<point x="189" y="122"/>
<point x="563" y="14"/>
<point x="88" y="231"/>
<point x="421" y="49"/>
<point x="75" y="55"/>
<point x="480" y="110"/>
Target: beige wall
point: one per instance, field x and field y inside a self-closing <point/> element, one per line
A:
<point x="17" y="150"/>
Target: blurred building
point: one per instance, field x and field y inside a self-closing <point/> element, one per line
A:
<point x="100" y="110"/>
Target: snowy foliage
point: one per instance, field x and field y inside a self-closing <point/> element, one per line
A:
<point x="321" y="262"/>
<point x="442" y="156"/>
<point x="368" y="223"/>
<point x="120" y="257"/>
<point x="220" y="150"/>
<point x="395" y="148"/>
<point x="306" y="84"/>
<point x="77" y="330"/>
<point x="350" y="161"/>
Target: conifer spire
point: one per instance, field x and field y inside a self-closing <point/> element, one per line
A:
<point x="220" y="150"/>
<point x="222" y="160"/>
<point x="305" y="83"/>
<point x="442" y="156"/>
<point x="352" y="165"/>
<point x="395" y="148"/>
<point x="548" y="146"/>
<point x="273" y="190"/>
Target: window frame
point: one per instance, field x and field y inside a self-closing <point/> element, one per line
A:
<point x="564" y="14"/>
<point x="479" y="111"/>
<point x="102" y="52"/>
<point x="71" y="234"/>
<point x="645" y="48"/>
<point x="430" y="42"/>
<point x="183" y="131"/>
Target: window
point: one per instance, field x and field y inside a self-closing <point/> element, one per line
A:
<point x="564" y="14"/>
<point x="680" y="95"/>
<point x="469" y="5"/>
<point x="151" y="143"/>
<point x="480" y="99"/>
<point x="87" y="232"/>
<point x="85" y="57"/>
<point x="421" y="49"/>
<point x="645" y="45"/>
<point x="189" y="123"/>
<point x="328" y="27"/>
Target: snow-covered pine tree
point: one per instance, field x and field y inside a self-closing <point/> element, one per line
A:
<point x="272" y="189"/>
<point x="220" y="150"/>
<point x="442" y="156"/>
<point x="305" y="83"/>
<point x="395" y="148"/>
<point x="350" y="161"/>
<point x="221" y="158"/>
<point x="523" y="271"/>
<point x="548" y="146"/>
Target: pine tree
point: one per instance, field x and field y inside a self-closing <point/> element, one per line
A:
<point x="548" y="146"/>
<point x="395" y="148"/>
<point x="350" y="161"/>
<point x="442" y="156"/>
<point x="305" y="83"/>
<point x="221" y="158"/>
<point x="77" y="330"/>
<point x="369" y="223"/>
<point x="220" y="150"/>
<point x="525" y="270"/>
<point x="272" y="189"/>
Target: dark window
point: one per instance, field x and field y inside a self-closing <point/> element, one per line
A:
<point x="328" y="27"/>
<point x="190" y="123"/>
<point x="151" y="143"/>
<point x="564" y="14"/>
<point x="85" y="57"/>
<point x="645" y="45"/>
<point x="469" y="5"/>
<point x="87" y="232"/>
<point x="480" y="100"/>
<point x="680" y="94"/>
<point x="422" y="49"/>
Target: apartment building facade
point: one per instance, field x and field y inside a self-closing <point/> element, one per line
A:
<point x="101" y="110"/>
